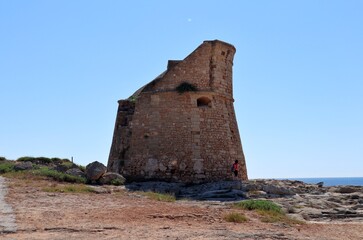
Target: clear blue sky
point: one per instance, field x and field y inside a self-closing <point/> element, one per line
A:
<point x="298" y="76"/>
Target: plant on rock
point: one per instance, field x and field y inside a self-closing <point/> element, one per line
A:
<point x="186" y="87"/>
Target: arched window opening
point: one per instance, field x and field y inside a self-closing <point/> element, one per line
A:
<point x="204" y="102"/>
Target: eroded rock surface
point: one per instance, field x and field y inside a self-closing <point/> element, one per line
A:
<point x="311" y="202"/>
<point x="95" y="170"/>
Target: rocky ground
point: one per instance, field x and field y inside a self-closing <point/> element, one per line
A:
<point x="309" y="202"/>
<point x="120" y="213"/>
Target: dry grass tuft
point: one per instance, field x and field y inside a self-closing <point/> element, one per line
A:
<point x="269" y="211"/>
<point x="71" y="188"/>
<point x="235" y="217"/>
<point x="163" y="197"/>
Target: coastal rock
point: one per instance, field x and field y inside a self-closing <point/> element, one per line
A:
<point x="95" y="170"/>
<point x="320" y="184"/>
<point x="112" y="178"/>
<point x="75" y="172"/>
<point x="21" y="166"/>
<point x="256" y="194"/>
<point x="300" y="200"/>
<point x="271" y="189"/>
<point x="223" y="195"/>
<point x="252" y="187"/>
<point x="161" y="187"/>
<point x="64" y="167"/>
<point x="345" y="189"/>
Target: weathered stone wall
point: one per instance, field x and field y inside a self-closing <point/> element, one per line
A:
<point x="187" y="137"/>
<point x="121" y="136"/>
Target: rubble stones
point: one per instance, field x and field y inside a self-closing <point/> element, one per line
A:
<point x="75" y="172"/>
<point x="95" y="170"/>
<point x="64" y="167"/>
<point x="21" y="166"/>
<point x="112" y="178"/>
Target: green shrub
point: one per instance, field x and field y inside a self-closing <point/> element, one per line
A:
<point x="42" y="160"/>
<point x="66" y="163"/>
<point x="186" y="87"/>
<point x="132" y="99"/>
<point x="263" y="205"/>
<point x="116" y="182"/>
<point x="269" y="211"/>
<point x="24" y="159"/>
<point x="56" y="159"/>
<point x="235" y="217"/>
<point x="59" y="176"/>
<point x="82" y="168"/>
<point x="272" y="217"/>
<point x="2" y="159"/>
<point x="70" y="189"/>
<point x="6" y="167"/>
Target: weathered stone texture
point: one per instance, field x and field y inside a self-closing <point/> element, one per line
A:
<point x="181" y="137"/>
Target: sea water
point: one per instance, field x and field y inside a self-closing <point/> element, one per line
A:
<point x="354" y="181"/>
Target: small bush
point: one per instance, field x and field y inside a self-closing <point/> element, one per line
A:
<point x="56" y="159"/>
<point x="163" y="197"/>
<point x="186" y="87"/>
<point x="235" y="217"/>
<point x="82" y="168"/>
<point x="24" y="159"/>
<point x="132" y="99"/>
<point x="59" y="176"/>
<point x="263" y="205"/>
<point x="6" y="167"/>
<point x="67" y="164"/>
<point x="116" y="182"/>
<point x="69" y="189"/>
<point x="272" y="217"/>
<point x="2" y="159"/>
<point x="42" y="160"/>
<point x="269" y="211"/>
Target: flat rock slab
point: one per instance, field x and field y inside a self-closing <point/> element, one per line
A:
<point x="7" y="217"/>
<point x="311" y="202"/>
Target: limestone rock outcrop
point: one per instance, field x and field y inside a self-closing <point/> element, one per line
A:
<point x="310" y="202"/>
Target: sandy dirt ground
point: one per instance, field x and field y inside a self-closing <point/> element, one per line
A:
<point x="127" y="215"/>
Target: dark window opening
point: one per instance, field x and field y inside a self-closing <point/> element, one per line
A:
<point x="204" y="102"/>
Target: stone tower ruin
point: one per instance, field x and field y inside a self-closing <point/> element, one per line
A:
<point x="181" y="127"/>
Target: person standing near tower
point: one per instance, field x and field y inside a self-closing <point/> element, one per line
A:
<point x="235" y="169"/>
